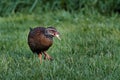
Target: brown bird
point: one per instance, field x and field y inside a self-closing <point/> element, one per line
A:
<point x="40" y="39"/>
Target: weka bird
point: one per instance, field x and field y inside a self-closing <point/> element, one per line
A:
<point x="40" y="39"/>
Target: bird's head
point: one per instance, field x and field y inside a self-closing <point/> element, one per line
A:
<point x="51" y="31"/>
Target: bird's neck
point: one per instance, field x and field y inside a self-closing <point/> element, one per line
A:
<point x="49" y="36"/>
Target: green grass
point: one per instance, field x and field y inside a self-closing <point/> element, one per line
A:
<point x="89" y="49"/>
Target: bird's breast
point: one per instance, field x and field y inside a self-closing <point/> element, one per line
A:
<point x="45" y="41"/>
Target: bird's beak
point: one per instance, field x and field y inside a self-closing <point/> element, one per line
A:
<point x="58" y="37"/>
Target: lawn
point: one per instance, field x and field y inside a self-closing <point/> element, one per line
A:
<point x="89" y="49"/>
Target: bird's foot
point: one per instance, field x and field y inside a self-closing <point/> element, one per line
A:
<point x="48" y="57"/>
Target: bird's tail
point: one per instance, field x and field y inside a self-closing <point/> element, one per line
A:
<point x="31" y="29"/>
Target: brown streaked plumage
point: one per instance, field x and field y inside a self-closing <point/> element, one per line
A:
<point x="40" y="39"/>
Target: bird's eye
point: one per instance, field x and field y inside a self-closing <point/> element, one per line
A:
<point x="54" y="34"/>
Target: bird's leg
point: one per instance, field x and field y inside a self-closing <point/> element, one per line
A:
<point x="47" y="56"/>
<point x="40" y="57"/>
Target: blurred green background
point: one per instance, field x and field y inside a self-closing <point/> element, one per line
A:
<point x="90" y="45"/>
<point x="8" y="7"/>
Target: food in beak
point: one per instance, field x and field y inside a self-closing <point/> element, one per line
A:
<point x="58" y="36"/>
